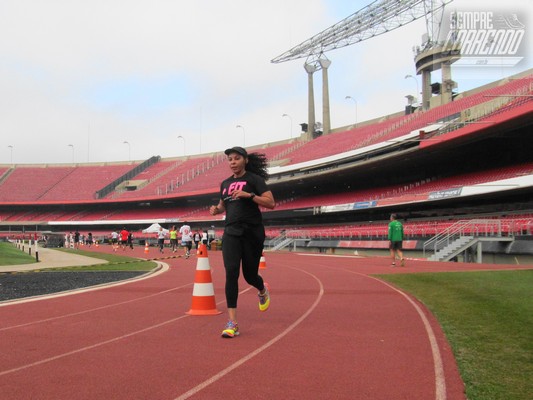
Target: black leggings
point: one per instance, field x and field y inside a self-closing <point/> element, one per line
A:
<point x="248" y="248"/>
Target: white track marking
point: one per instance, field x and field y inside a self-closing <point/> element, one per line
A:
<point x="99" y="344"/>
<point x="328" y="255"/>
<point x="94" y="309"/>
<point x="164" y="268"/>
<point x="93" y="346"/>
<point x="440" y="380"/>
<point x="254" y="353"/>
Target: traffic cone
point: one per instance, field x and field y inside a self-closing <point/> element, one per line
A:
<point x="262" y="261"/>
<point x="146" y="249"/>
<point x="203" y="293"/>
<point x="96" y="244"/>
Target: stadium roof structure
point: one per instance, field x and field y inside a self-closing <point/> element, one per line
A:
<point x="379" y="17"/>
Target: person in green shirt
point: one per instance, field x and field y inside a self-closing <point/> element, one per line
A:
<point x="396" y="239"/>
<point x="173" y="238"/>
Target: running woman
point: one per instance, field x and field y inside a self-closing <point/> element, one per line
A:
<point x="244" y="234"/>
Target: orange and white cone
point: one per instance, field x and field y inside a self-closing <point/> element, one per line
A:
<point x="262" y="261"/>
<point x="203" y="294"/>
<point x="146" y="249"/>
<point x="96" y="243"/>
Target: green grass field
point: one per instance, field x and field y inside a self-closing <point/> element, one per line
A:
<point x="114" y="262"/>
<point x="11" y="255"/>
<point x="488" y="320"/>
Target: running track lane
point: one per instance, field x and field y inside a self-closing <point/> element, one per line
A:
<point x="332" y="332"/>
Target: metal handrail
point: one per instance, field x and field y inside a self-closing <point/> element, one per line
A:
<point x="474" y="227"/>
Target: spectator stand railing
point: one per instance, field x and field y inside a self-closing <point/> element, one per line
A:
<point x="474" y="228"/>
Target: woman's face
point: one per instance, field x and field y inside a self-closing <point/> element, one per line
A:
<point x="237" y="163"/>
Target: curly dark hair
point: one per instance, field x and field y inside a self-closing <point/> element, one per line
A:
<point x="258" y="164"/>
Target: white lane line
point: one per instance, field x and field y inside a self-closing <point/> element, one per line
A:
<point x="328" y="255"/>
<point x="440" y="380"/>
<point x="254" y="353"/>
<point x="99" y="344"/>
<point x="164" y="268"/>
<point x="93" y="346"/>
<point x="93" y="309"/>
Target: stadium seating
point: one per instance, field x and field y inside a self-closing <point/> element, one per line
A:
<point x="395" y="127"/>
<point x="32" y="183"/>
<point x="83" y="181"/>
<point x="169" y="177"/>
<point x="202" y="174"/>
<point x="150" y="175"/>
<point x="420" y="188"/>
<point x="520" y="224"/>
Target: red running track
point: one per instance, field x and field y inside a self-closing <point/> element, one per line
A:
<point x="332" y="332"/>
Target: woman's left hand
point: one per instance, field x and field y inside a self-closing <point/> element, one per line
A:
<point x="240" y="194"/>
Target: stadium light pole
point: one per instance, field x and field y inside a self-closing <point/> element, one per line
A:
<point x="181" y="137"/>
<point x="417" y="87"/>
<point x="355" y="101"/>
<point x="243" y="135"/>
<point x="11" y="148"/>
<point x="72" y="146"/>
<point x="288" y="116"/>
<point x="129" y="149"/>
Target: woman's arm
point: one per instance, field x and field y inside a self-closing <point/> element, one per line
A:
<point x="265" y="200"/>
<point x="218" y="209"/>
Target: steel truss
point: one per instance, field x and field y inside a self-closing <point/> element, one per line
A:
<point x="379" y="17"/>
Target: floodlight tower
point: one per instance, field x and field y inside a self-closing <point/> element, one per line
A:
<point x="379" y="17"/>
<point x="433" y="55"/>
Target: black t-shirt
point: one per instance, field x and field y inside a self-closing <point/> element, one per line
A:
<point x="242" y="210"/>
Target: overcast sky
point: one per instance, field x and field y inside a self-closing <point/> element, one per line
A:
<point x="80" y="78"/>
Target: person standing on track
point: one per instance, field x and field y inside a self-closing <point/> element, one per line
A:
<point x="244" y="234"/>
<point x="396" y="240"/>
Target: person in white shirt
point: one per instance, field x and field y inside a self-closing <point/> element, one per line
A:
<point x="161" y="239"/>
<point x="186" y="238"/>
<point x="114" y="240"/>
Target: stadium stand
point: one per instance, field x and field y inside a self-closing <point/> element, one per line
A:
<point x="3" y="173"/>
<point x="517" y="225"/>
<point x="196" y="173"/>
<point x="32" y="183"/>
<point x="83" y="181"/>
<point x="178" y="189"/>
<point x="397" y="126"/>
<point x="146" y="178"/>
<point x="57" y="183"/>
<point x="418" y="188"/>
<point x="168" y="177"/>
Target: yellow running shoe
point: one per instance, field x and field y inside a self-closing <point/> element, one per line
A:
<point x="264" y="299"/>
<point x="231" y="330"/>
